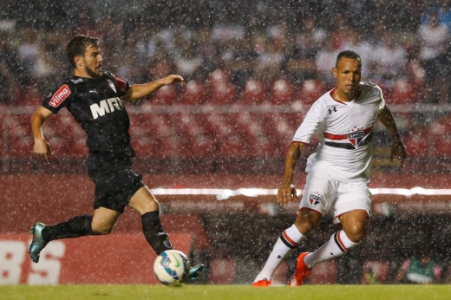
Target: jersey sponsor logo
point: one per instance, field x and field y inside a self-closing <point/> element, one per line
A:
<point x="60" y="96"/>
<point x="106" y="106"/>
<point x="333" y="109"/>
<point x="315" y="199"/>
<point x="356" y="137"/>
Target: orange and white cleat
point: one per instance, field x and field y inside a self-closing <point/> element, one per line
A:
<point x="302" y="271"/>
<point x="262" y="282"/>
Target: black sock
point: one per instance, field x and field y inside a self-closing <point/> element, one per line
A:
<point x="154" y="233"/>
<point x="75" y="227"/>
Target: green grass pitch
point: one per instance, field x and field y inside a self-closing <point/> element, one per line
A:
<point x="234" y="292"/>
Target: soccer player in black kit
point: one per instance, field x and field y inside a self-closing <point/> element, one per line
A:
<point x="94" y="97"/>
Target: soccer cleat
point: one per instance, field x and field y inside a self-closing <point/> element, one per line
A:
<point x="38" y="242"/>
<point x="263" y="282"/>
<point x="195" y="271"/>
<point x="302" y="271"/>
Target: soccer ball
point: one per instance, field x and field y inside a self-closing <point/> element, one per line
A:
<point x="171" y="267"/>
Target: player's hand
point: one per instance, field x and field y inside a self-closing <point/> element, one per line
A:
<point x="173" y="78"/>
<point x="42" y="149"/>
<point x="398" y="151"/>
<point x="286" y="194"/>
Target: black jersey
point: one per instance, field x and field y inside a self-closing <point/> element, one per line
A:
<point x="96" y="105"/>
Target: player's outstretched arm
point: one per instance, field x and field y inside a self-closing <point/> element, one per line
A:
<point x="138" y="91"/>
<point x="398" y="149"/>
<point x="41" y="147"/>
<point x="287" y="192"/>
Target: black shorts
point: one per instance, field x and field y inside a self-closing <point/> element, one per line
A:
<point x="115" y="181"/>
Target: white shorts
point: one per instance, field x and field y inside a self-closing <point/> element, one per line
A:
<point x="323" y="193"/>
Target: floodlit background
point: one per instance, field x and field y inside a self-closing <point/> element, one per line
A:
<point x="252" y="69"/>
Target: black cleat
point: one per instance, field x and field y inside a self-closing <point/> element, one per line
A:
<point x="38" y="242"/>
<point x="195" y="271"/>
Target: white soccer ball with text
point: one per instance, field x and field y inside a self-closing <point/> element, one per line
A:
<point x="171" y="267"/>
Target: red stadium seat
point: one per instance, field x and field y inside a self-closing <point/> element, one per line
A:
<point x="155" y="148"/>
<point x="224" y="271"/>
<point x="417" y="146"/>
<point x="138" y="127"/>
<point x="219" y="76"/>
<point x="194" y="141"/>
<point x="402" y="93"/>
<point x="279" y="129"/>
<point x="60" y="146"/>
<point x="78" y="148"/>
<point x="186" y="125"/>
<point x="21" y="147"/>
<point x="252" y="131"/>
<point x="442" y="146"/>
<point x="280" y="274"/>
<point x="220" y="89"/>
<point x="247" y="124"/>
<point x="311" y="90"/>
<point x="324" y="273"/>
<point x="18" y="132"/>
<point x="375" y="272"/>
<point x="263" y="147"/>
<point x="192" y="224"/>
<point x="153" y="136"/>
<point x="166" y="95"/>
<point x="193" y="94"/>
<point x="30" y="97"/>
<point x="201" y="147"/>
<point x="158" y="125"/>
<point x="232" y="147"/>
<point x="282" y="92"/>
<point x="230" y="143"/>
<point x="221" y="93"/>
<point x="254" y="92"/>
<point x="217" y="124"/>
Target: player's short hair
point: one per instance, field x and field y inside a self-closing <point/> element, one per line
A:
<point x="77" y="46"/>
<point x="347" y="54"/>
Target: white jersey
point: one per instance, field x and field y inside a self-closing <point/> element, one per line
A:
<point x="345" y="131"/>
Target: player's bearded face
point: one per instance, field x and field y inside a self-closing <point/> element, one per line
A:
<point x="92" y="73"/>
<point x="93" y="62"/>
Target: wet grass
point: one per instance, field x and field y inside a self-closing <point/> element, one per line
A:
<point x="235" y="292"/>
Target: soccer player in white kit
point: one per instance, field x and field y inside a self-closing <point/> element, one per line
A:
<point x="338" y="173"/>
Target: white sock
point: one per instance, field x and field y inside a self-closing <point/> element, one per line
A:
<point x="288" y="240"/>
<point x="337" y="246"/>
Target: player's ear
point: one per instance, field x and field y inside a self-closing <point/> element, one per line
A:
<point x="78" y="61"/>
<point x="335" y="72"/>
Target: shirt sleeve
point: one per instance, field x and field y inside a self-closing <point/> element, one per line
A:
<point x="312" y="122"/>
<point x="58" y="99"/>
<point x="382" y="102"/>
<point x="121" y="85"/>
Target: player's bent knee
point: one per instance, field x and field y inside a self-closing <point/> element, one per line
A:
<point x="143" y="201"/>
<point x="145" y="205"/>
<point x="307" y="221"/>
<point x="355" y="233"/>
<point x="101" y="230"/>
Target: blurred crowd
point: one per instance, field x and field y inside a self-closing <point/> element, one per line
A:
<point x="261" y="52"/>
<point x="402" y="42"/>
